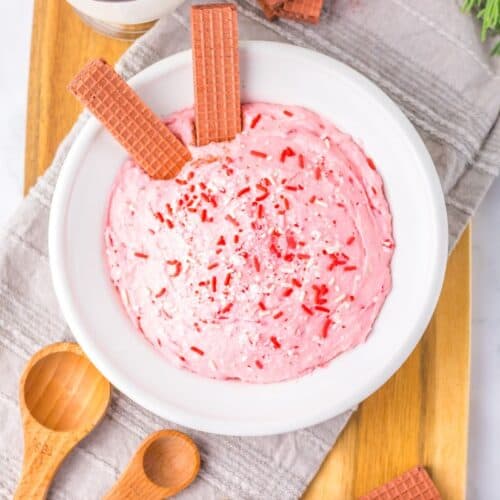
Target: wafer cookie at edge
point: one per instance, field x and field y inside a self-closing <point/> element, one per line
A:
<point x="414" y="484"/>
<point x="301" y="10"/>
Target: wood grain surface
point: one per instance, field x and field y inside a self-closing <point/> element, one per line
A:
<point x="419" y="417"/>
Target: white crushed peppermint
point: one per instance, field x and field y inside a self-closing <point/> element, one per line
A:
<point x="339" y="298"/>
<point x="243" y="339"/>
<point x="124" y="297"/>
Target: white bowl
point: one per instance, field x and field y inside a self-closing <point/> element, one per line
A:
<point x="275" y="73"/>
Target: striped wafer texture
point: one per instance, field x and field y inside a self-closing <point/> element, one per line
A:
<point x="145" y="137"/>
<point x="301" y="10"/>
<point x="214" y="31"/>
<point x="412" y="485"/>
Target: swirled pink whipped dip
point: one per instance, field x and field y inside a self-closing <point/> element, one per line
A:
<point x="265" y="258"/>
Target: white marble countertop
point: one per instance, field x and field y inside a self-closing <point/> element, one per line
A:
<point x="484" y="437"/>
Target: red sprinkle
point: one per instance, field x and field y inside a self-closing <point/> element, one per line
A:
<point x="227" y="308"/>
<point x="287" y="203"/>
<point x="228" y="279"/>
<point x="256" y="263"/>
<point x="287" y="292"/>
<point x="141" y="255"/>
<point x="288" y="257"/>
<point x="350" y="240"/>
<point x="255" y="120"/>
<point x="303" y="256"/>
<point x="232" y="220"/>
<point x="170" y="224"/>
<point x="287" y="113"/>
<point x="317" y="173"/>
<point x="259" y="154"/>
<point x="312" y="199"/>
<point x="212" y="266"/>
<point x="169" y="208"/>
<point x="371" y="164"/>
<point x="278" y="315"/>
<point x="350" y="268"/>
<point x="288" y="151"/>
<point x="262" y="196"/>
<point x="275" y="342"/>
<point x="264" y="189"/>
<point x="159" y="216"/>
<point x="221" y="240"/>
<point x="326" y="327"/>
<point x="307" y="309"/>
<point x="181" y="181"/>
<point x="274" y="250"/>
<point x="203" y="215"/>
<point x="291" y="188"/>
<point x="214" y="283"/>
<point x="296" y="282"/>
<point x="260" y="211"/>
<point x="302" y="162"/>
<point x="259" y="364"/>
<point x="236" y="238"/>
<point x="262" y="305"/>
<point x="350" y="298"/>
<point x="197" y="350"/>
<point x="161" y="293"/>
<point x="243" y="191"/>
<point x="178" y="267"/>
<point x="290" y="240"/>
<point x="322" y="309"/>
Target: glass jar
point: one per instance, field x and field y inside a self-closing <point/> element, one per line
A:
<point x="123" y="19"/>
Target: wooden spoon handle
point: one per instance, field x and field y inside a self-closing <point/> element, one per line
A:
<point x="43" y="454"/>
<point x="134" y="485"/>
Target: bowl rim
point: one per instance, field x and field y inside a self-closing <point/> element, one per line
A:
<point x="62" y="286"/>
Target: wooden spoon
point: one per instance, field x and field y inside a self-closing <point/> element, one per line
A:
<point x="166" y="462"/>
<point x="62" y="398"/>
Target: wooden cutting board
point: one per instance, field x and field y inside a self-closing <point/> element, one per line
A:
<point x="420" y="416"/>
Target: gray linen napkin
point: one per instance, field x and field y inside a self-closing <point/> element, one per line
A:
<point x="426" y="55"/>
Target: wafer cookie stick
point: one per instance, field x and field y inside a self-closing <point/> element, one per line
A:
<point x="145" y="137"/>
<point x="412" y="485"/>
<point x="214" y="31"/>
<point x="301" y="10"/>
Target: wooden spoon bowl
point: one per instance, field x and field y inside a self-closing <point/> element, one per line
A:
<point x="62" y="398"/>
<point x="165" y="463"/>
